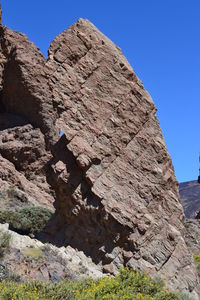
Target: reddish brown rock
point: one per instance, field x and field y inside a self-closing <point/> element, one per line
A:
<point x="26" y="117"/>
<point x="26" y="191"/>
<point x="116" y="193"/>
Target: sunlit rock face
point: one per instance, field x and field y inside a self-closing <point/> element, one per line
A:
<point x="116" y="195"/>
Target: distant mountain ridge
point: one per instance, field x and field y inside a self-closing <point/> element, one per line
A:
<point x="190" y="197"/>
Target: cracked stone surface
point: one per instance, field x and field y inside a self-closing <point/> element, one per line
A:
<point x="116" y="195"/>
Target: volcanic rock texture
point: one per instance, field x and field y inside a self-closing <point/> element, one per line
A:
<point x="190" y="198"/>
<point x="116" y="195"/>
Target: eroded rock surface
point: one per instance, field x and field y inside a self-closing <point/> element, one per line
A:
<point x="116" y="195"/>
<point x="26" y="117"/>
<point x="30" y="259"/>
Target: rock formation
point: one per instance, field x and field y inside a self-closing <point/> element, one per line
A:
<point x="29" y="258"/>
<point x="116" y="195"/>
<point x="190" y="198"/>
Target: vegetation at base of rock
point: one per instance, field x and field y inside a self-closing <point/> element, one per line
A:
<point x="8" y="275"/>
<point x="184" y="297"/>
<point x="11" y="192"/>
<point x="33" y="253"/>
<point x="29" y="219"/>
<point x="196" y="258"/>
<point x="4" y="243"/>
<point x="127" y="285"/>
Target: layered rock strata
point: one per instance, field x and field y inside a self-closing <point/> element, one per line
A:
<point x="116" y="195"/>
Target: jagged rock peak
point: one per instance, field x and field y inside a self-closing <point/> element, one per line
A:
<point x="116" y="195"/>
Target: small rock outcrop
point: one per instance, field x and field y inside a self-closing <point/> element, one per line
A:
<point x="116" y="195"/>
<point x="29" y="258"/>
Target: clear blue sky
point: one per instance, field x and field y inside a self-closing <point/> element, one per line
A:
<point x="161" y="40"/>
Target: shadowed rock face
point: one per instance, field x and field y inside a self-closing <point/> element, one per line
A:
<point x="25" y="129"/>
<point x="116" y="193"/>
<point x="190" y="197"/>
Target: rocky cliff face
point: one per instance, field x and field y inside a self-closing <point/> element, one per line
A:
<point x="116" y="195"/>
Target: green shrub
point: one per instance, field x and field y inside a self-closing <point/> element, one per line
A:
<point x="33" y="253"/>
<point x="196" y="258"/>
<point x="7" y="216"/>
<point x="33" y="290"/>
<point x="29" y="219"/>
<point x="184" y="297"/>
<point x="8" y="275"/>
<point x="11" y="192"/>
<point x="4" y="243"/>
<point x="127" y="285"/>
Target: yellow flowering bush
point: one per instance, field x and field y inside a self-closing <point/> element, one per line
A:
<point x="127" y="285"/>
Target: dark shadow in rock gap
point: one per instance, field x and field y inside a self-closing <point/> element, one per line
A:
<point x="9" y="120"/>
<point x="81" y="220"/>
